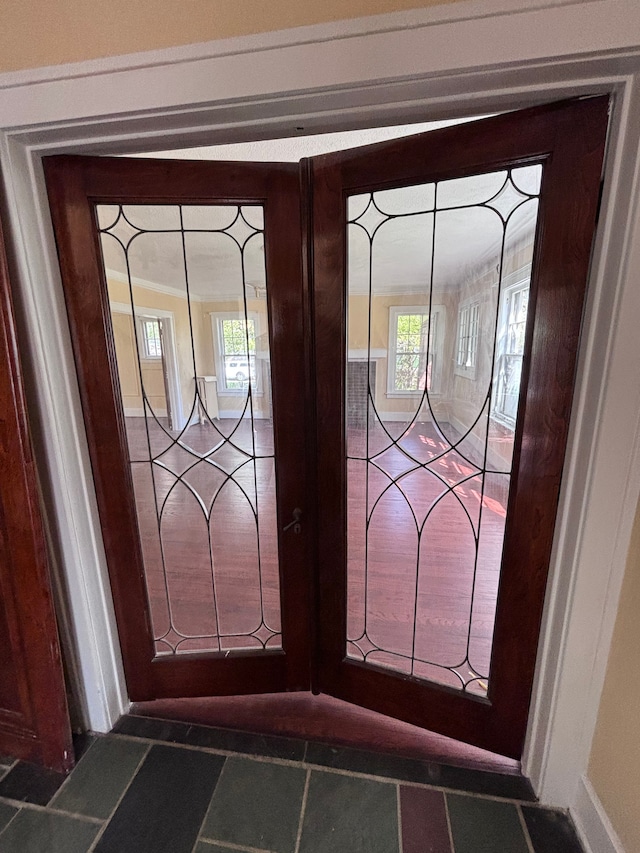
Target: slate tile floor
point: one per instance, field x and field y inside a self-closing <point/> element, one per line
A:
<point x="158" y="787"/>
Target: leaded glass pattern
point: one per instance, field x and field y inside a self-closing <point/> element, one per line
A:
<point x="187" y="289"/>
<point x="429" y="457"/>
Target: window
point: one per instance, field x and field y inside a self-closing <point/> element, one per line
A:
<point x="467" y="339"/>
<point x="236" y="339"/>
<point x="411" y="337"/>
<point x="509" y="350"/>
<point x="151" y="337"/>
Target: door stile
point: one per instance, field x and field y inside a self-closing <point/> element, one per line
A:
<point x="307" y="246"/>
<point x="330" y="342"/>
<point x="566" y="223"/>
<point x="288" y="345"/>
<point x="68" y="187"/>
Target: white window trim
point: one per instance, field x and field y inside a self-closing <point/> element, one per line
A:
<point x="468" y="371"/>
<point x="145" y="355"/>
<point x="216" y="321"/>
<point x="522" y="283"/>
<point x="394" y="312"/>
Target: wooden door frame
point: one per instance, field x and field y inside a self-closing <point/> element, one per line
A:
<point x="105" y="106"/>
<point x="35" y="725"/>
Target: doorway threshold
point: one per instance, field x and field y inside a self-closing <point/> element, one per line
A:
<point x="326" y="720"/>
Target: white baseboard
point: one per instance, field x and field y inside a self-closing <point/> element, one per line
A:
<point x="592" y="823"/>
<point x="140" y="413"/>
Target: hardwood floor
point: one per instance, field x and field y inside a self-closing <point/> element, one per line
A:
<point x="449" y="576"/>
<point x="424" y="542"/>
<point x="431" y="545"/>
<point x="218" y="511"/>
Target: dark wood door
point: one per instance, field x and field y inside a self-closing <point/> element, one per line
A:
<point x="393" y="378"/>
<point x="449" y="276"/>
<point x="209" y="575"/>
<point x="34" y="720"/>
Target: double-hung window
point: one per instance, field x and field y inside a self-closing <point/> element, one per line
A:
<point x="236" y="350"/>
<point x="509" y="351"/>
<point x="151" y="337"/>
<point x="412" y="354"/>
<point x="467" y="339"/>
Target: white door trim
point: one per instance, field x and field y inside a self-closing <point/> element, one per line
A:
<point x="170" y="357"/>
<point x="372" y="74"/>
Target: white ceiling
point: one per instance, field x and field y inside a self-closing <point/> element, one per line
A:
<point x="402" y="246"/>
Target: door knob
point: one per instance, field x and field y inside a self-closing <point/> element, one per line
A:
<point x="295" y="523"/>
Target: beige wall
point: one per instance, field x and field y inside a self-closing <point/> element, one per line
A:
<point x="129" y="375"/>
<point x="145" y="298"/>
<point x="203" y="344"/>
<point x="42" y="32"/>
<point x="358" y="316"/>
<point x="614" y="767"/>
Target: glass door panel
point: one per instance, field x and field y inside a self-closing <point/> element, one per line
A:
<point x="198" y="414"/>
<point x="438" y="282"/>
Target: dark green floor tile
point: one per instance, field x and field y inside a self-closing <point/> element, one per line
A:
<point x="416" y="770"/>
<point x="81" y="743"/>
<point x="268" y="746"/>
<point x="164" y="806"/>
<point x="30" y="783"/>
<point x="351" y="815"/>
<point x="42" y="832"/>
<point x="212" y="847"/>
<point x="256" y="804"/>
<point x="152" y="728"/>
<point x="485" y="826"/>
<point x="97" y="783"/>
<point x="550" y="831"/>
<point x="6" y="813"/>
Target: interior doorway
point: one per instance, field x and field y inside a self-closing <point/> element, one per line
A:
<point x="421" y="442"/>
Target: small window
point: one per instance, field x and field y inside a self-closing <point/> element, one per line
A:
<point x="237" y="352"/>
<point x="412" y="359"/>
<point x="151" y="337"/>
<point x="509" y="351"/>
<point x="467" y="340"/>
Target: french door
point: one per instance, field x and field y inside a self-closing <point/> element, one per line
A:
<point x="327" y="408"/>
<point x="208" y="596"/>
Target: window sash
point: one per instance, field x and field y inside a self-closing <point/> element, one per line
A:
<point x="509" y="352"/>
<point x="412" y="352"/>
<point x="151" y="337"/>
<point x="236" y="342"/>
<point x="467" y="340"/>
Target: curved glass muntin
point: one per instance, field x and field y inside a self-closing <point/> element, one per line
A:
<point x="438" y="282"/>
<point x="187" y="291"/>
